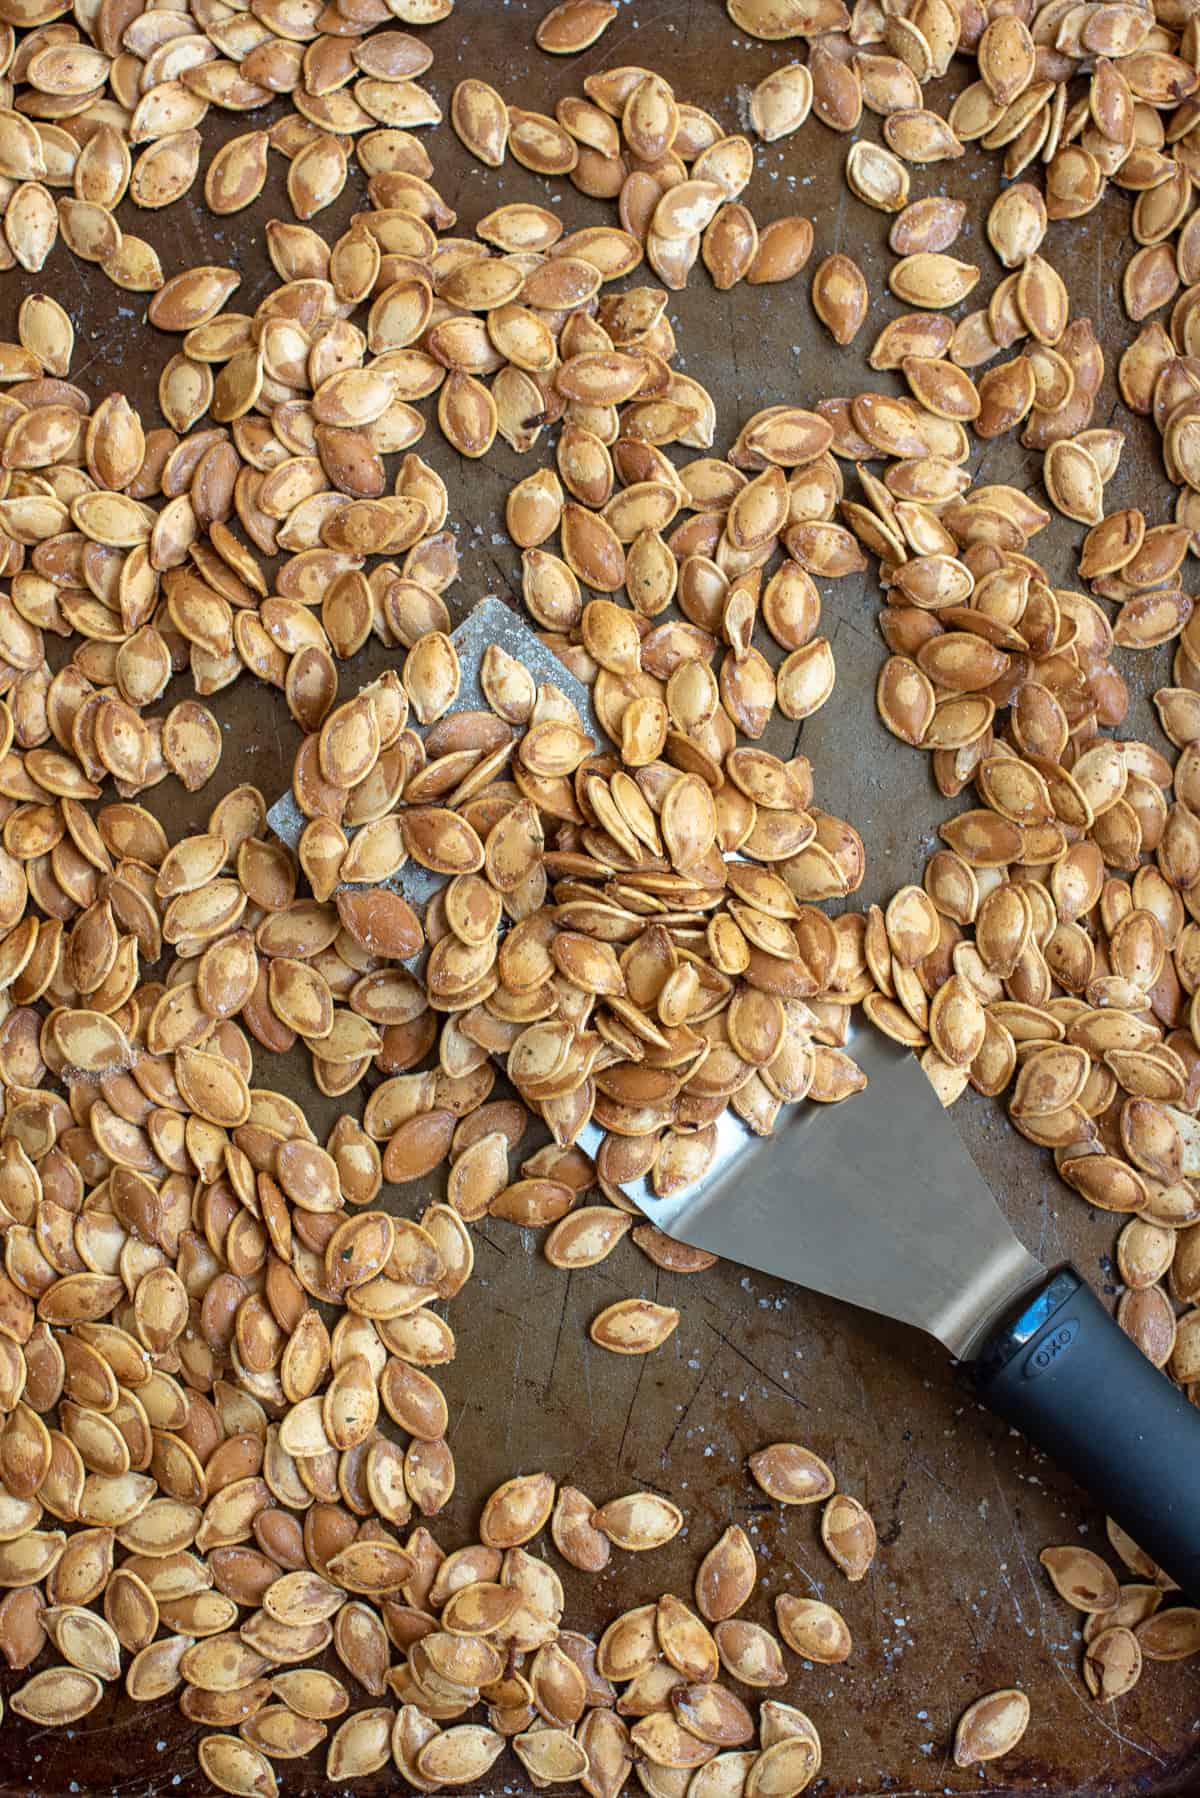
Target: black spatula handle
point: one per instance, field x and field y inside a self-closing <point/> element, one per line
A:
<point x="1068" y="1377"/>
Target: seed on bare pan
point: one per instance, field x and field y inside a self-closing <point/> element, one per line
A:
<point x="905" y="699"/>
<point x="517" y="1510"/>
<point x="848" y="1534"/>
<point x="1081" y="1577"/>
<point x="1112" y="1663"/>
<point x="787" y="1765"/>
<point x="660" y="1740"/>
<point x="791" y="1474"/>
<point x="1016" y="224"/>
<point x="539" y="142"/>
<point x="360" y="1745"/>
<point x="990" y="1727"/>
<point x="1170" y="1635"/>
<point x="633" y="1326"/>
<point x="57" y="1695"/>
<point x="806" y="679"/>
<point x="575" y="1534"/>
<point x="235" y="1766"/>
<point x="784" y="246"/>
<point x="573" y="25"/>
<point x="813" y="1629"/>
<point x="920" y="136"/>
<point x="1073" y="482"/>
<point x="781" y="102"/>
<point x="726" y="1576"/>
<point x="840" y="297"/>
<point x="929" y="224"/>
<point x="877" y="176"/>
<point x="459" y="1755"/>
<point x="278" y="1732"/>
<point x="931" y="279"/>
<point x="31" y="226"/>
<point x="920" y="334"/>
<point x="639" y="1522"/>
<point x="1150" y="280"/>
<point x="192" y="298"/>
<point x="316" y="176"/>
<point x="1112" y="543"/>
<point x="550" y="1755"/>
<point x="586" y="1237"/>
<point x="237" y="173"/>
<point x="1151" y="619"/>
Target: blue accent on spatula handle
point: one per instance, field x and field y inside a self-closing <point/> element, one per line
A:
<point x="1066" y="1375"/>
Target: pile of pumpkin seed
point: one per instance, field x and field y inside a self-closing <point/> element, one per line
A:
<point x="203" y="1309"/>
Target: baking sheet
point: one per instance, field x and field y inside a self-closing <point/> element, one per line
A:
<point x="956" y="1603"/>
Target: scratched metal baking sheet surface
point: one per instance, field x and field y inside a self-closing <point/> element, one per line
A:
<point x="956" y="1603"/>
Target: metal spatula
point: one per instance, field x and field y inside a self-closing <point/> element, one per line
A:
<point x="877" y="1202"/>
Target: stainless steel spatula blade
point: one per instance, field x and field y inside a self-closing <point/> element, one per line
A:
<point x="874" y="1201"/>
<point x="877" y="1201"/>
